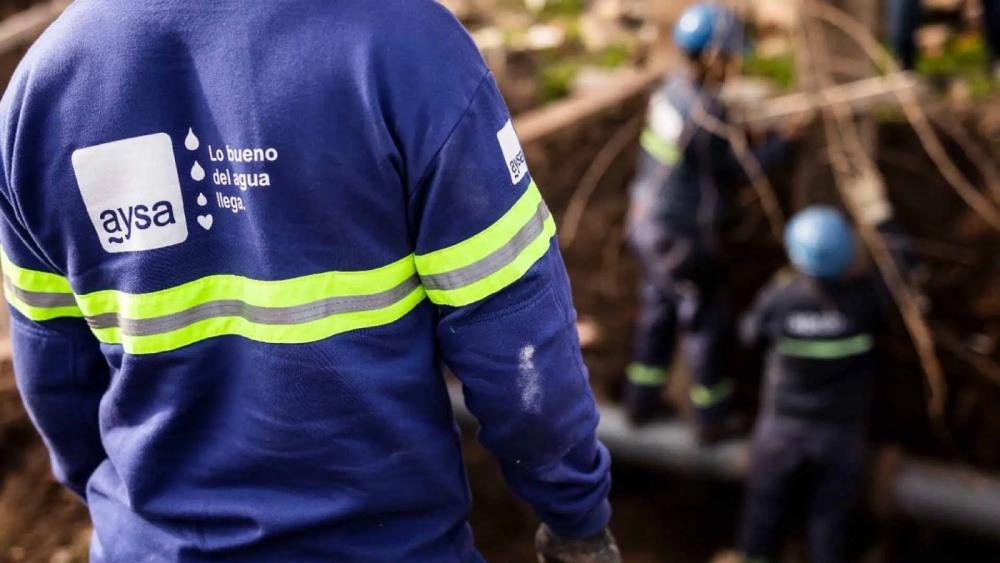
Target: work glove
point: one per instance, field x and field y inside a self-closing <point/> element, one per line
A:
<point x="599" y="548"/>
<point x="867" y="198"/>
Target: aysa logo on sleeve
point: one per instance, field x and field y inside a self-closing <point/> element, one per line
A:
<point x="512" y="152"/>
<point x="133" y="193"/>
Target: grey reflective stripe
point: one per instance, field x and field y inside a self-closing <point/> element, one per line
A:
<point x="39" y="299"/>
<point x="261" y="315"/>
<point x="496" y="261"/>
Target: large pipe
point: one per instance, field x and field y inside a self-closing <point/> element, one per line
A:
<point x="931" y="493"/>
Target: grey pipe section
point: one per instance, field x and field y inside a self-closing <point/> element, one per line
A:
<point x="930" y="493"/>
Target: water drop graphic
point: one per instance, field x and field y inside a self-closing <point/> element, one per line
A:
<point x="197" y="172"/>
<point x="202" y="200"/>
<point x="191" y="142"/>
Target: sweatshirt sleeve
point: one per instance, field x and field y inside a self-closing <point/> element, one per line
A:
<point x="486" y="255"/>
<point x="60" y="371"/>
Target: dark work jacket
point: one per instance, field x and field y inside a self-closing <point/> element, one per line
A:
<point x="820" y="337"/>
<point x="687" y="175"/>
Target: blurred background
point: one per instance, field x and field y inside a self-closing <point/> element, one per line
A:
<point x="577" y="75"/>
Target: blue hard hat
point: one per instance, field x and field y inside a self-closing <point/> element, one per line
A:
<point x="704" y="26"/>
<point x="820" y="242"/>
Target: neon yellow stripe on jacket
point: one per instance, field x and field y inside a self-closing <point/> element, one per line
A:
<point x="491" y="260"/>
<point x="39" y="296"/>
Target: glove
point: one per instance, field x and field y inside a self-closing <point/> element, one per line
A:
<point x="600" y="548"/>
<point x="866" y="196"/>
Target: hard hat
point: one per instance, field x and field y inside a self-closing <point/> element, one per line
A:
<point x="820" y="242"/>
<point x="708" y="26"/>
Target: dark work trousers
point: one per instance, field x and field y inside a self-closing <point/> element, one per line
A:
<point x="796" y="466"/>
<point x="683" y="294"/>
<point x="905" y="17"/>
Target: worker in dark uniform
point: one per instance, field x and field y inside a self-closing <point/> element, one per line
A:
<point x="686" y="177"/>
<point x="819" y="325"/>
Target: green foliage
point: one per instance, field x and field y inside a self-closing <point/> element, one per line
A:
<point x="964" y="58"/>
<point x="780" y="69"/>
<point x="563" y="8"/>
<point x="614" y="56"/>
<point x="557" y="79"/>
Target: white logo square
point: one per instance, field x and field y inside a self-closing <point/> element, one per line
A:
<point x="513" y="155"/>
<point x="132" y="193"/>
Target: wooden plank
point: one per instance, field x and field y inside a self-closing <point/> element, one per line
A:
<point x="860" y="96"/>
<point x="535" y="125"/>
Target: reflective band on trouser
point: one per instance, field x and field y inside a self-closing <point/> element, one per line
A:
<point x="491" y="260"/>
<point x="665" y="153"/>
<point x="291" y="311"/>
<point x="39" y="296"/>
<point x="826" y="349"/>
<point x="642" y="374"/>
<point x="705" y="397"/>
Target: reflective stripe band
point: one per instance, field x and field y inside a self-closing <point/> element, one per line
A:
<point x="642" y="374"/>
<point x="491" y="260"/>
<point x="254" y="314"/>
<point x="292" y="311"/>
<point x="39" y="296"/>
<point x="826" y="349"/>
<point x="705" y="397"/>
<point x="494" y="262"/>
<point x="665" y="153"/>
<point x="232" y="324"/>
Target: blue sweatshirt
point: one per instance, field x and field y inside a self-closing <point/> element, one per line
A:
<point x="241" y="240"/>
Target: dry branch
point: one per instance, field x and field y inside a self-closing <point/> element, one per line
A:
<point x="911" y="107"/>
<point x="853" y="168"/>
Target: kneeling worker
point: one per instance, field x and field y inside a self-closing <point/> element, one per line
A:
<point x="267" y="385"/>
<point x="810" y="440"/>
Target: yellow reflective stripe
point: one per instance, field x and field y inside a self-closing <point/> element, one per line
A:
<point x="276" y="334"/>
<point x="32" y="280"/>
<point x="644" y="374"/>
<point x="831" y="349"/>
<point x="500" y="279"/>
<point x="40" y="314"/>
<point x="704" y="397"/>
<point x="39" y="296"/>
<point x="485" y="242"/>
<point x="260" y="293"/>
<point x="665" y="153"/>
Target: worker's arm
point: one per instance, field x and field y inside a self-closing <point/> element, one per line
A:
<point x="60" y="371"/>
<point x="487" y="258"/>
<point x="757" y="326"/>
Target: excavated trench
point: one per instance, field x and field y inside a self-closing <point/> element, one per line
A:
<point x="667" y="517"/>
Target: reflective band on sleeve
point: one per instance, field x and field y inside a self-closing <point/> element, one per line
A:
<point x="491" y="260"/>
<point x="642" y="374"/>
<point x="704" y="397"/>
<point x="39" y="296"/>
<point x="665" y="153"/>
<point x="826" y="349"/>
<point x="292" y="311"/>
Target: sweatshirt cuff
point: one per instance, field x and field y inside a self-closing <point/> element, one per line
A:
<point x="584" y="525"/>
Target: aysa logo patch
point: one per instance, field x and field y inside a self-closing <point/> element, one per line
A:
<point x="512" y="153"/>
<point x="133" y="193"/>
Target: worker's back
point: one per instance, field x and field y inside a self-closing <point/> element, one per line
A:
<point x="821" y="361"/>
<point x="235" y="192"/>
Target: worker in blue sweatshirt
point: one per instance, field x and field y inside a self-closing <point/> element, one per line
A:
<point x="241" y="239"/>
<point x="686" y="177"/>
<point x="819" y="325"/>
